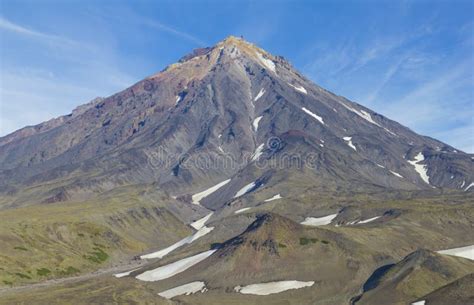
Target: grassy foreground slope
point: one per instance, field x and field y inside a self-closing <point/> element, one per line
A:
<point x="68" y="239"/>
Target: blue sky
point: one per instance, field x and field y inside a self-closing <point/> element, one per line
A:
<point x="412" y="61"/>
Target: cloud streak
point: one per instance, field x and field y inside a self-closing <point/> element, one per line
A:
<point x="166" y="28"/>
<point x="18" y="29"/>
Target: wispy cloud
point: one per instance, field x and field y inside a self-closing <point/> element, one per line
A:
<point x="61" y="75"/>
<point x="172" y="30"/>
<point x="21" y="30"/>
<point x="372" y="96"/>
<point x="441" y="107"/>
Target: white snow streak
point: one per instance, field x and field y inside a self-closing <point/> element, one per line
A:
<point x="299" y="88"/>
<point x="178" y="99"/>
<point x="422" y="302"/>
<point x="277" y="196"/>
<point x="366" y="116"/>
<point x="187" y="240"/>
<point x="198" y="224"/>
<point x="245" y="189"/>
<point x="196" y="198"/>
<point x="349" y="142"/>
<point x="421" y="169"/>
<point x="186" y="289"/>
<point x="318" y="221"/>
<point x="272" y="287"/>
<point x="258" y="152"/>
<point x="267" y="62"/>
<point x="363" y="114"/>
<point x="317" y="117"/>
<point x="369" y="220"/>
<point x="466" y="252"/>
<point x="241" y="210"/>
<point x="396" y="174"/>
<point x="255" y="123"/>
<point x="259" y="95"/>
<point x="469" y="186"/>
<point x="172" y="269"/>
<point x="119" y="275"/>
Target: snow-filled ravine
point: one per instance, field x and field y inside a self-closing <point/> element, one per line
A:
<point x="466" y="252"/>
<point x="366" y="116"/>
<point x="355" y="222"/>
<point x="267" y="62"/>
<point x="272" y="287"/>
<point x="299" y="88"/>
<point x="276" y="197"/>
<point x="256" y="122"/>
<point x="317" y="117"/>
<point x="123" y="274"/>
<point x="421" y="169"/>
<point x="198" y="225"/>
<point x="468" y="187"/>
<point x="186" y="289"/>
<point x="172" y="269"/>
<point x="241" y="210"/>
<point x="370" y="219"/>
<point x="349" y="142"/>
<point x="259" y="95"/>
<point x="196" y="198"/>
<point x="319" y="221"/>
<point x="245" y="189"/>
<point x="258" y="152"/>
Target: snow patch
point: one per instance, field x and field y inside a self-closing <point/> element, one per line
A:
<point x="178" y="99"/>
<point x="198" y="224"/>
<point x="258" y="152"/>
<point x="122" y="274"/>
<point x="241" y="210"/>
<point x="172" y="269"/>
<point x="266" y="62"/>
<point x="318" y="221"/>
<point x="317" y="117"/>
<point x="468" y="187"/>
<point x="380" y="165"/>
<point x="272" y="287"/>
<point x="422" y="302"/>
<point x="277" y="196"/>
<point x="421" y="169"/>
<point x="366" y="116"/>
<point x="255" y="123"/>
<point x="396" y="174"/>
<point x="259" y="95"/>
<point x="196" y="198"/>
<point x="463" y="183"/>
<point x="369" y="220"/>
<point x="186" y="289"/>
<point x="187" y="240"/>
<point x="299" y="88"/>
<point x="466" y="252"/>
<point x="245" y="189"/>
<point x="349" y="142"/>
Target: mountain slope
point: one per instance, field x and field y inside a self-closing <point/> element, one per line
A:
<point x="416" y="275"/>
<point x="176" y="128"/>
